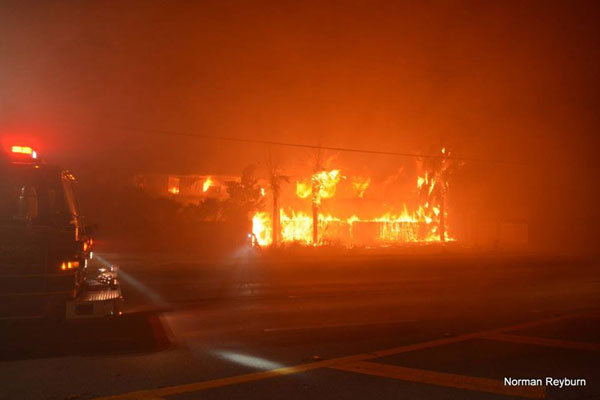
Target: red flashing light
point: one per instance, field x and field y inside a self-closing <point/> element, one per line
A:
<point x="24" y="150"/>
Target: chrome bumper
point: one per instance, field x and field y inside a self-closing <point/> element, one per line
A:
<point x="100" y="297"/>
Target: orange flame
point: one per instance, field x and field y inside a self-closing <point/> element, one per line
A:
<point x="325" y="181"/>
<point x="303" y="189"/>
<point x="262" y="228"/>
<point x="360" y="186"/>
<point x="207" y="184"/>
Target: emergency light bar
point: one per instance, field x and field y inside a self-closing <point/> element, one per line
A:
<point x="24" y="150"/>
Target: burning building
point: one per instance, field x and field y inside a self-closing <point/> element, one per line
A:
<point x="433" y="200"/>
<point x="186" y="189"/>
<point x="335" y="208"/>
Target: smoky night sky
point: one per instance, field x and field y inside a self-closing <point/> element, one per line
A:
<point x="510" y="80"/>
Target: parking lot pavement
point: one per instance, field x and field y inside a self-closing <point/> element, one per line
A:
<point x="316" y="329"/>
<point x="468" y="366"/>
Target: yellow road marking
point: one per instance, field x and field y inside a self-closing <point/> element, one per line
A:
<point x="564" y="344"/>
<point x="335" y="362"/>
<point x="442" y="379"/>
<point x="233" y="380"/>
<point x="469" y="336"/>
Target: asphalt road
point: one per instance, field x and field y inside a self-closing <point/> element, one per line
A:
<point x="348" y="326"/>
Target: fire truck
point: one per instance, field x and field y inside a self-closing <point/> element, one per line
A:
<point x="45" y="246"/>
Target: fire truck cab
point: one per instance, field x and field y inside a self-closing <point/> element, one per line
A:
<point x="44" y="245"/>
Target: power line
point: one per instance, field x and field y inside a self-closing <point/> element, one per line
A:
<point x="315" y="147"/>
<point x="319" y="147"/>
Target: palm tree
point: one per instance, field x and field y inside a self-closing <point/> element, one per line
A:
<point x="316" y="200"/>
<point x="276" y="180"/>
<point x="440" y="167"/>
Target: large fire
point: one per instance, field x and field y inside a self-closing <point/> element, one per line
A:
<point x="424" y="223"/>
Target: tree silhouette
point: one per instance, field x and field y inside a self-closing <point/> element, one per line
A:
<point x="244" y="196"/>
